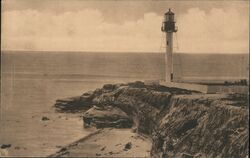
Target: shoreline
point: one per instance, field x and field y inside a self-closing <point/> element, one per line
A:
<point x="106" y="142"/>
<point x="75" y="143"/>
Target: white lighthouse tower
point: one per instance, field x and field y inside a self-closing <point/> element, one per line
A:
<point x="168" y="26"/>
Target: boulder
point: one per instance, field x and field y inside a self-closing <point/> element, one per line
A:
<point x="4" y="146"/>
<point x="128" y="146"/>
<point x="44" y="118"/>
<point x="108" y="116"/>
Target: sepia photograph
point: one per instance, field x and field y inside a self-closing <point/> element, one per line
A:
<point x="124" y="78"/>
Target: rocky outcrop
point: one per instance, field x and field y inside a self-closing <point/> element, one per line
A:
<point x="140" y="102"/>
<point x="205" y="125"/>
<point x="75" y="104"/>
<point x="106" y="116"/>
<point x="182" y="123"/>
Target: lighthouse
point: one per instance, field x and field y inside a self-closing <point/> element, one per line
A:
<point x="168" y="26"/>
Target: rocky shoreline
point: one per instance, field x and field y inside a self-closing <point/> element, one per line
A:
<point x="180" y="122"/>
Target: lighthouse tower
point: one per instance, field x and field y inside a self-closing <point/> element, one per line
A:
<point x="168" y="26"/>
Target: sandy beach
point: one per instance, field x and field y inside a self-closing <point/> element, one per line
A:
<point x="109" y="142"/>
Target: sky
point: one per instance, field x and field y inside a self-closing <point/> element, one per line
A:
<point x="124" y="26"/>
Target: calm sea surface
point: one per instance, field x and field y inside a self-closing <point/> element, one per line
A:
<point x="32" y="81"/>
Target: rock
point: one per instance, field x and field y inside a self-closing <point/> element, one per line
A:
<point x="97" y="154"/>
<point x="128" y="146"/>
<point x="87" y="97"/>
<point x="104" y="99"/>
<point x="134" y="130"/>
<point x="106" y="117"/>
<point x="63" y="149"/>
<point x="109" y="87"/>
<point x="186" y="155"/>
<point x="103" y="148"/>
<point x="44" y="118"/>
<point x="75" y="104"/>
<point x="17" y="147"/>
<point x="137" y="84"/>
<point x="198" y="155"/>
<point x="4" y="146"/>
<point x="203" y="123"/>
<point x="110" y="153"/>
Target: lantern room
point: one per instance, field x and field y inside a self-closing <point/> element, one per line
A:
<point x="168" y="24"/>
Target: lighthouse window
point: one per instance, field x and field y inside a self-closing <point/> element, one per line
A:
<point x="167" y="42"/>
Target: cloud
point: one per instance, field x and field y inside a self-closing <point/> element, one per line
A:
<point x="215" y="31"/>
<point x="81" y="30"/>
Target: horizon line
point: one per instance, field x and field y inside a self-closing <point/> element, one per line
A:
<point x="79" y="51"/>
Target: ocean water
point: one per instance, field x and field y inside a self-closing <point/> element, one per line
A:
<point x="32" y="81"/>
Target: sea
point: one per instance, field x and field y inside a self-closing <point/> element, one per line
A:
<point x="32" y="81"/>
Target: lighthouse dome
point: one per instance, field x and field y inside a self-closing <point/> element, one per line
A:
<point x="169" y="16"/>
<point x="169" y="12"/>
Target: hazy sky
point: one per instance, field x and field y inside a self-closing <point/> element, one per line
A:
<point x="123" y="25"/>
